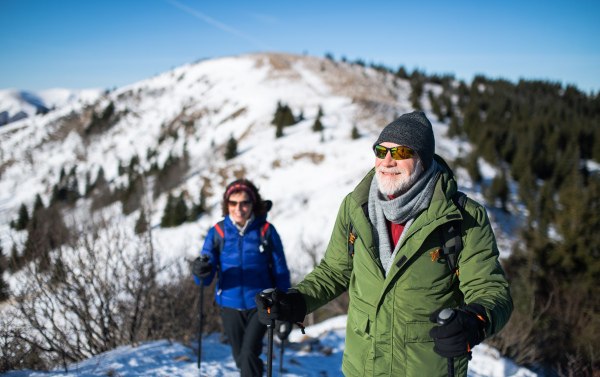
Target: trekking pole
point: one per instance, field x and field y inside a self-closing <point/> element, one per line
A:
<point x="266" y="294"/>
<point x="281" y="346"/>
<point x="445" y="317"/>
<point x="281" y="335"/>
<point x="203" y="258"/>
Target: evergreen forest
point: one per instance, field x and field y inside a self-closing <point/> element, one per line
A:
<point x="541" y="136"/>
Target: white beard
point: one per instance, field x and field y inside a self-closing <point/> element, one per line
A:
<point x="397" y="184"/>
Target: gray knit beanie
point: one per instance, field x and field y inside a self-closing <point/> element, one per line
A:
<point x="411" y="130"/>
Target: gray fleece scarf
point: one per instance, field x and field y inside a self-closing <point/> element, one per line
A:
<point x="403" y="209"/>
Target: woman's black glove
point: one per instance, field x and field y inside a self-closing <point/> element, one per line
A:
<point x="288" y="307"/>
<point x="462" y="333"/>
<point x="201" y="267"/>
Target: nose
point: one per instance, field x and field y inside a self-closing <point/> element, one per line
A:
<point x="388" y="160"/>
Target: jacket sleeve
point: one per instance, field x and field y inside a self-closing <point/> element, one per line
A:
<point x="208" y="249"/>
<point x="331" y="277"/>
<point x="279" y="268"/>
<point x="481" y="276"/>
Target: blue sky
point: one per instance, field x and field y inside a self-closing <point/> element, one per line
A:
<point x="111" y="43"/>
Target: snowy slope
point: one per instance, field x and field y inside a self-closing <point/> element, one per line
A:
<point x="319" y="354"/>
<point x="306" y="174"/>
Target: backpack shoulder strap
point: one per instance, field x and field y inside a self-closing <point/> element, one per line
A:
<point x="352" y="233"/>
<point x="451" y="234"/>
<point x="266" y="246"/>
<point x="219" y="236"/>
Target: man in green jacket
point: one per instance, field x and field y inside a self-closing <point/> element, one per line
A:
<point x="386" y="251"/>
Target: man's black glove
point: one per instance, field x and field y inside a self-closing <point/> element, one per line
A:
<point x="288" y="307"/>
<point x="462" y="333"/>
<point x="201" y="267"/>
<point x="284" y="329"/>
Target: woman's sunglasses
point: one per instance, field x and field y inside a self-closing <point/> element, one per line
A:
<point x="398" y="153"/>
<point x="243" y="203"/>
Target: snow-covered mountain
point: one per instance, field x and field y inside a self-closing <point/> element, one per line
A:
<point x="197" y="108"/>
<point x="16" y="105"/>
<point x="193" y="111"/>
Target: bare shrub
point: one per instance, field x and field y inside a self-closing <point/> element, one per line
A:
<point x="336" y="307"/>
<point x="104" y="288"/>
<point x="16" y="353"/>
<point x="175" y="308"/>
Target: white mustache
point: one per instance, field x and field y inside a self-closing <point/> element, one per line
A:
<point x="391" y="171"/>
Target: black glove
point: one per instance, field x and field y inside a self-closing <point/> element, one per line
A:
<point x="201" y="267"/>
<point x="284" y="329"/>
<point x="288" y="307"/>
<point x="462" y="333"/>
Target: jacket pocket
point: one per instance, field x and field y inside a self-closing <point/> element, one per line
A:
<point x="421" y="360"/>
<point x="359" y="343"/>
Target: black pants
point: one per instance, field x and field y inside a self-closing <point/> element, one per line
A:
<point x="245" y="335"/>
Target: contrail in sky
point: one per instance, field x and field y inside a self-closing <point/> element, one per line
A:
<point x="218" y="24"/>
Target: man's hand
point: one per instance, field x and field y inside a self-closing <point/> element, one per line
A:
<point x="201" y="267"/>
<point x="283" y="306"/>
<point x="465" y="331"/>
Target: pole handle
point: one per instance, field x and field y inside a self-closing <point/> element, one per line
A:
<point x="445" y="317"/>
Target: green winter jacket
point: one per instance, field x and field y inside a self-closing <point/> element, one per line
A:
<point x="387" y="331"/>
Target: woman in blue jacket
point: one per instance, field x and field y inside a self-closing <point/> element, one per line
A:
<point x="246" y="253"/>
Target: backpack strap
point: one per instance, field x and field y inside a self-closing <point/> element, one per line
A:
<point x="352" y="235"/>
<point x="450" y="234"/>
<point x="267" y="246"/>
<point x="219" y="241"/>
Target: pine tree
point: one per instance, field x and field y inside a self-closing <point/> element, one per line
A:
<point x="54" y="196"/>
<point x="499" y="190"/>
<point x="454" y="129"/>
<point x="73" y="190"/>
<point x="121" y="169"/>
<point x="473" y="168"/>
<point x="61" y="175"/>
<point x="288" y="117"/>
<point x="279" y="131"/>
<point x="401" y="73"/>
<point x="278" y="116"/>
<point x="38" y="204"/>
<point x="197" y="209"/>
<point x="318" y="126"/>
<point x="23" y="219"/>
<point x="416" y="92"/>
<point x="355" y="134"/>
<point x="4" y="293"/>
<point x="88" y="183"/>
<point x="320" y="113"/>
<point x="167" y="218"/>
<point x="231" y="148"/>
<point x="14" y="262"/>
<point x="100" y="182"/>
<point x="435" y="106"/>
<point x="135" y="161"/>
<point x="180" y="211"/>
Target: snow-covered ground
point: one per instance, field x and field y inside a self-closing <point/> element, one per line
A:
<point x="317" y="354"/>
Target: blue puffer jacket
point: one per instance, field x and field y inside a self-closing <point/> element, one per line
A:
<point x="244" y="268"/>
